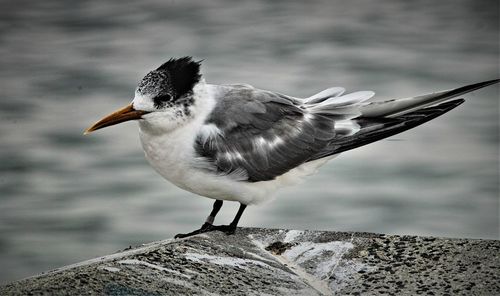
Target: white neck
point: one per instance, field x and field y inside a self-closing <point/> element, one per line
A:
<point x="168" y="145"/>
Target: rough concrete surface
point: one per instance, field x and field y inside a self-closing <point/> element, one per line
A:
<point x="282" y="262"/>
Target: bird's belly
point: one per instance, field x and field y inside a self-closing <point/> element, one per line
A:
<point x="172" y="156"/>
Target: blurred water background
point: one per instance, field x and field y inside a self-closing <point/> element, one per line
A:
<point x="65" y="197"/>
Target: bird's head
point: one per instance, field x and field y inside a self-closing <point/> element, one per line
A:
<point x="163" y="98"/>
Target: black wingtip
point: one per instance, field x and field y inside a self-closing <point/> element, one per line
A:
<point x="468" y="88"/>
<point x="482" y="84"/>
<point x="450" y="104"/>
<point x="429" y="113"/>
<point x="443" y="108"/>
<point x="394" y="126"/>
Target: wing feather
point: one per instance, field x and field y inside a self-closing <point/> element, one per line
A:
<point x="395" y="107"/>
<point x="263" y="133"/>
<point x="255" y="135"/>
<point x="331" y="92"/>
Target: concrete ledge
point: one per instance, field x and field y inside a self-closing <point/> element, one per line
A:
<point x="282" y="262"/>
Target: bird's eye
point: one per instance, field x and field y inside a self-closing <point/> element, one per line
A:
<point x="164" y="98"/>
<point x="161" y="100"/>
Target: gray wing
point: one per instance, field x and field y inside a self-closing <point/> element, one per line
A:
<point x="260" y="135"/>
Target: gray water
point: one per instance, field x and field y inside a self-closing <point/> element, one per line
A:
<point x="65" y="197"/>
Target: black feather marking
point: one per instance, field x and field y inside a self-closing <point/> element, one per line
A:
<point x="162" y="100"/>
<point x="184" y="73"/>
<point x="468" y="88"/>
<point x="374" y="129"/>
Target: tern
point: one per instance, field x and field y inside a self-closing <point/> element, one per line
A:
<point x="240" y="143"/>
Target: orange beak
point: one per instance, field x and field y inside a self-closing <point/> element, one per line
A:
<point x="125" y="114"/>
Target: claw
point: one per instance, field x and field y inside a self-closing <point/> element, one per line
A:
<point x="207" y="227"/>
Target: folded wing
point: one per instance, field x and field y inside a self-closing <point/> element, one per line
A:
<point x="255" y="135"/>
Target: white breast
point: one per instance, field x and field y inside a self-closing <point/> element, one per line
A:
<point x="172" y="156"/>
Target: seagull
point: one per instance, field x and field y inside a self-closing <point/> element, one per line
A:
<point x="240" y="143"/>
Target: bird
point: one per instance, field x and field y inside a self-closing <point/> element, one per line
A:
<point x="239" y="143"/>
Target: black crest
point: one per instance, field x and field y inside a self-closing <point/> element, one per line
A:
<point x="184" y="73"/>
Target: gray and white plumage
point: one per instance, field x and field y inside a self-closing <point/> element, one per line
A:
<point x="240" y="143"/>
<point x="261" y="135"/>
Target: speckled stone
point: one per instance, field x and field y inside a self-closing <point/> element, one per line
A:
<point x="282" y="262"/>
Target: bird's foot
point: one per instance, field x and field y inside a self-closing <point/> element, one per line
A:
<point x="207" y="227"/>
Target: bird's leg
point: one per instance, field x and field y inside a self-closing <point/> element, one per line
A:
<point x="231" y="228"/>
<point x="207" y="226"/>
